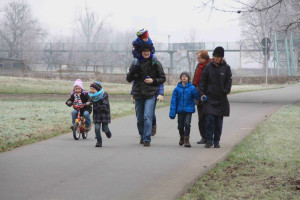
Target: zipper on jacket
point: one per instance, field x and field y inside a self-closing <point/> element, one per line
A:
<point x="183" y="99"/>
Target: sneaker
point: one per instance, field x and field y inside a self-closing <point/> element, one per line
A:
<point x="87" y="128"/>
<point x="108" y="134"/>
<point x="208" y="145"/>
<point x="217" y="145"/>
<point x="202" y="141"/>
<point x="153" y="130"/>
<point x="146" y="144"/>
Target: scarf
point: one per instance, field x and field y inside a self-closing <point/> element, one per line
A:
<point x="77" y="100"/>
<point x="97" y="96"/>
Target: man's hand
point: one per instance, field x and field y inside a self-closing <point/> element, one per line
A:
<point x="160" y="98"/>
<point x="148" y="80"/>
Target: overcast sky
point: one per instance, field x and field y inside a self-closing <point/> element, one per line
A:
<point x="160" y="17"/>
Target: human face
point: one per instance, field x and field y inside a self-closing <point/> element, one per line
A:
<point x="200" y="60"/>
<point x="145" y="39"/>
<point x="217" y="60"/>
<point x="146" y="53"/>
<point x="93" y="90"/>
<point x="77" y="89"/>
<point x="184" y="78"/>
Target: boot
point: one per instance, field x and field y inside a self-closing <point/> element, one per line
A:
<point x="99" y="143"/>
<point x="181" y="140"/>
<point x="187" y="142"/>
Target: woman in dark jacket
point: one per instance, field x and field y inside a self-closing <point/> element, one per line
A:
<point x="147" y="78"/>
<point x="215" y="84"/>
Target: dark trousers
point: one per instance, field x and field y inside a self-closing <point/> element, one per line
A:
<point x="184" y="124"/>
<point x="105" y="129"/>
<point x="201" y="121"/>
<point x="213" y="127"/>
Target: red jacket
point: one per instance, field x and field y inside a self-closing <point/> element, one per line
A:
<point x="198" y="73"/>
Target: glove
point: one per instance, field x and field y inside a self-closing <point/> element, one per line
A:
<point x="132" y="99"/>
<point x="160" y="98"/>
<point x="69" y="103"/>
<point x="88" y="103"/>
<point x="203" y="98"/>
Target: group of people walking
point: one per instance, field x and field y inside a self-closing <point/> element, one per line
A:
<point x="207" y="91"/>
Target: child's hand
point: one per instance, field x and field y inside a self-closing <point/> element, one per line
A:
<point x="69" y="103"/>
<point x="132" y="99"/>
<point x="88" y="103"/>
<point x="160" y="98"/>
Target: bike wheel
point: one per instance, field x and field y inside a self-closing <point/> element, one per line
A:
<point x="76" y="132"/>
<point x="84" y="135"/>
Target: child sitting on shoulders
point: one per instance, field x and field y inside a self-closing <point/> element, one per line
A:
<point x="183" y="104"/>
<point x="101" y="111"/>
<point x="142" y="39"/>
<point x="80" y="97"/>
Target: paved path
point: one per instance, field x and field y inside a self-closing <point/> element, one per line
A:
<point x="62" y="168"/>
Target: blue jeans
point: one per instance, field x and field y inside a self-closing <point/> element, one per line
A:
<point x="184" y="124"/>
<point x="154" y="116"/>
<point x="144" y="113"/>
<point x="86" y="115"/>
<point x="213" y="126"/>
<point x="105" y="129"/>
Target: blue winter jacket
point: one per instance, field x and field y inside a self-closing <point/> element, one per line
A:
<point x="183" y="99"/>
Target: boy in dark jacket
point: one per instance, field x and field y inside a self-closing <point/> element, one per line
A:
<point x="80" y="97"/>
<point x="141" y="40"/>
<point x="101" y="111"/>
<point x="183" y="104"/>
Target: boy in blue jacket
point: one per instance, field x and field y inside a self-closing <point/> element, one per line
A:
<point x="184" y="97"/>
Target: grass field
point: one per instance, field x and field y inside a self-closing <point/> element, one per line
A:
<point x="34" y="108"/>
<point x="17" y="85"/>
<point x="266" y="165"/>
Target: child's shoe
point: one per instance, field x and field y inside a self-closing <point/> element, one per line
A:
<point x="108" y="134"/>
<point x="181" y="141"/>
<point x="216" y="145"/>
<point x="187" y="142"/>
<point x="208" y="145"/>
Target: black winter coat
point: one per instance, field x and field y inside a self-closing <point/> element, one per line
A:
<point x="101" y="110"/>
<point x="84" y="96"/>
<point x="216" y="83"/>
<point x="142" y="90"/>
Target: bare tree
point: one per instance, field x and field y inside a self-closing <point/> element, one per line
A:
<point x="285" y="12"/>
<point x="19" y="30"/>
<point x="90" y="30"/>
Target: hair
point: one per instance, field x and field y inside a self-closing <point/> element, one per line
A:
<point x="203" y="54"/>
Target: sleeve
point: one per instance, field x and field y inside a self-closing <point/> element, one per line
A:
<point x="71" y="98"/>
<point x="130" y="74"/>
<point x="196" y="94"/>
<point x="135" y="50"/>
<point x="161" y="90"/>
<point x="228" y="81"/>
<point x="131" y="92"/>
<point x="203" y="81"/>
<point x="173" y="106"/>
<point x="161" y="78"/>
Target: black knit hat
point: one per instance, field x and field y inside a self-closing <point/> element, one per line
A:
<point x="218" y="52"/>
<point x="97" y="85"/>
<point x="187" y="74"/>
<point x="145" y="46"/>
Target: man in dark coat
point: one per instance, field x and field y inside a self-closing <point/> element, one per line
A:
<point x="215" y="85"/>
<point x="147" y="78"/>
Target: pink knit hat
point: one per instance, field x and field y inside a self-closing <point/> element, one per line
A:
<point x="79" y="83"/>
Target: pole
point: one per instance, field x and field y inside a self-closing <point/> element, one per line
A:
<point x="266" y="60"/>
